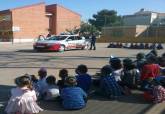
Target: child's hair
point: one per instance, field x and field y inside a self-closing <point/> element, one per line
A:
<point x="82" y="69"/>
<point x="51" y="80"/>
<point x="140" y="56"/>
<point x="115" y="63"/>
<point x="23" y="81"/>
<point x="33" y="78"/>
<point x="71" y="81"/>
<point x="128" y="64"/>
<point x="63" y="73"/>
<point x="42" y="72"/>
<point x="106" y="70"/>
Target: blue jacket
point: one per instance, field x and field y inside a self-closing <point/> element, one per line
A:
<point x="109" y="86"/>
<point x="84" y="81"/>
<point x="73" y="98"/>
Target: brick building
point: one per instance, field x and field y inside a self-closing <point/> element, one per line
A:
<point x="24" y="24"/>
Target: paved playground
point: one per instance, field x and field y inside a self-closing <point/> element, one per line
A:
<point x="18" y="59"/>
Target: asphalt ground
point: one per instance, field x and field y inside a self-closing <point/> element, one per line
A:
<point x="18" y="59"/>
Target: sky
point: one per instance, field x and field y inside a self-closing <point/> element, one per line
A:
<point x="86" y="8"/>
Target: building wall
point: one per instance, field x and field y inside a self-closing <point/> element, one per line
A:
<point x="133" y="34"/>
<point x="66" y="19"/>
<point x="52" y="9"/>
<point x="141" y="31"/>
<point x="5" y="26"/>
<point x="29" y="22"/>
<point x="142" y="19"/>
<point x="62" y="19"/>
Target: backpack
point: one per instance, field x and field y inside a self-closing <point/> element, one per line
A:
<point x="130" y="77"/>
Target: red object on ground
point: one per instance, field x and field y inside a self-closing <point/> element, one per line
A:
<point x="147" y="96"/>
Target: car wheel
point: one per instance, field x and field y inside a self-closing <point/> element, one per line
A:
<point x="62" y="48"/>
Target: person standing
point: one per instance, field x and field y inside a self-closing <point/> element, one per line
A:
<point x="93" y="41"/>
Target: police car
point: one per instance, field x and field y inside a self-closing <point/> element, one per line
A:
<point x="61" y="43"/>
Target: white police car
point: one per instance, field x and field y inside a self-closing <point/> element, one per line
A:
<point x="61" y="43"/>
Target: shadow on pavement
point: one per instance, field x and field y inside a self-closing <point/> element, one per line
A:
<point x="92" y="106"/>
<point x="4" y="96"/>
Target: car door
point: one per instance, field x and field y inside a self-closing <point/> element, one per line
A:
<point x="79" y="42"/>
<point x="71" y="42"/>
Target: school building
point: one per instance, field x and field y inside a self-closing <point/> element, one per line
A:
<point x="25" y="24"/>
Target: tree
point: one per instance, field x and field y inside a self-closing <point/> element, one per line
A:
<point x="105" y="18"/>
<point x="87" y="29"/>
<point x="75" y="30"/>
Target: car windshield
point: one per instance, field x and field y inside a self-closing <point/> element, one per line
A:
<point x="57" y="38"/>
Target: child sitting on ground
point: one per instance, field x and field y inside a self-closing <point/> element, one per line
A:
<point x="140" y="61"/>
<point x="130" y="75"/>
<point x="108" y="85"/>
<point x="23" y="98"/>
<point x="42" y="73"/>
<point x="155" y="91"/>
<point x="159" y="92"/>
<point x="34" y="81"/>
<point x="149" y="70"/>
<point x="63" y="74"/>
<point x="51" y="92"/>
<point x="116" y="66"/>
<point x="73" y="97"/>
<point x="84" y="80"/>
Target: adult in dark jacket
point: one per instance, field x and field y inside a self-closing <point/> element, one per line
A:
<point x="93" y="41"/>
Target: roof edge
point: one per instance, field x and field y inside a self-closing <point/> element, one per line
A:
<point x="64" y="8"/>
<point x="27" y="6"/>
<point x="4" y="11"/>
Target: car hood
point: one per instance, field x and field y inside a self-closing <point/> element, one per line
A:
<point x="48" y="41"/>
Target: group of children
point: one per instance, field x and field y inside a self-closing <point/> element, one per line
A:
<point x="146" y="73"/>
<point x="70" y="90"/>
<point x="136" y="45"/>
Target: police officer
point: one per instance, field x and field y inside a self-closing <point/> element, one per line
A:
<point x="93" y="41"/>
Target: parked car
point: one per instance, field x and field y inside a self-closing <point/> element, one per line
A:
<point x="61" y="43"/>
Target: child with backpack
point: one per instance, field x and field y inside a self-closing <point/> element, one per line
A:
<point x="51" y="92"/>
<point x="130" y="76"/>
